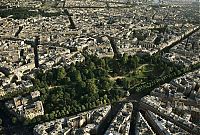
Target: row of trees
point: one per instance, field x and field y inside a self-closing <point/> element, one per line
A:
<point x="20" y="91"/>
<point x="69" y="110"/>
<point x="23" y="13"/>
<point x="171" y="73"/>
<point x="18" y="13"/>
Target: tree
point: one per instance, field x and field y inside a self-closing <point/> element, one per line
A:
<point x="124" y="58"/>
<point x="137" y="60"/>
<point x="66" y="80"/>
<point x="61" y="73"/>
<point x="93" y="105"/>
<point x="52" y="116"/>
<point x="46" y="117"/>
<point x="105" y="83"/>
<point x="85" y="71"/>
<point x="90" y="105"/>
<point x="36" y="82"/>
<point x="33" y="121"/>
<point x="39" y="75"/>
<point x="132" y="63"/>
<point x="119" y="82"/>
<point x="126" y="83"/>
<point x="72" y="68"/>
<point x="26" y="122"/>
<point x="91" y="65"/>
<point x="38" y="118"/>
<point x="104" y="102"/>
<point x="81" y="87"/>
<point x="91" y="86"/>
<point x="100" y="72"/>
<point x="116" y="67"/>
<point x="102" y="63"/>
<point x="83" y="108"/>
<point x="49" y="77"/>
<point x="14" y="120"/>
<point x="90" y="74"/>
<point x="76" y="76"/>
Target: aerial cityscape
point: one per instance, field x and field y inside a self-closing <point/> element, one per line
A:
<point x="99" y="67"/>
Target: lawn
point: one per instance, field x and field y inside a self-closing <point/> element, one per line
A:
<point x="143" y="73"/>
